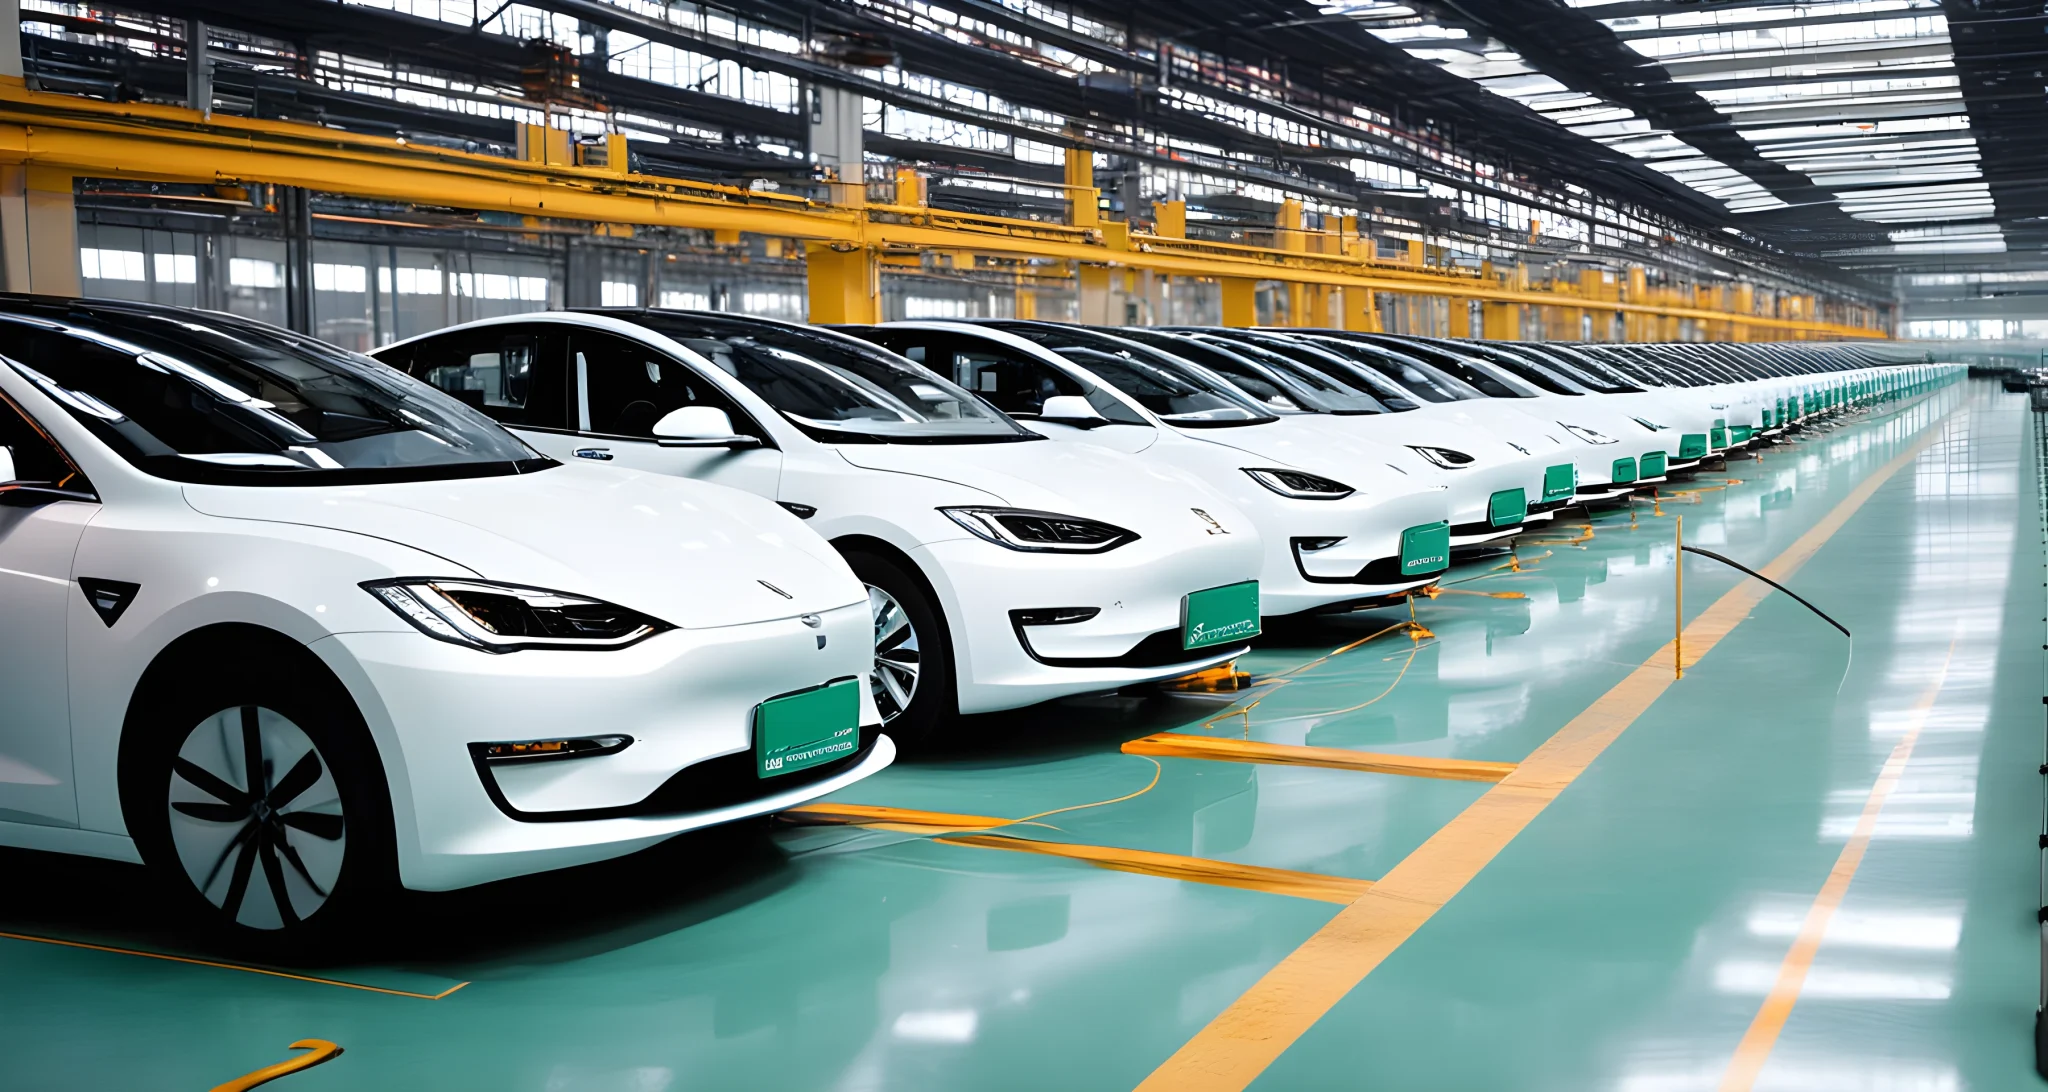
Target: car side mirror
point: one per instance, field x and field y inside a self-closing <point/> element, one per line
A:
<point x="1071" y="410"/>
<point x="699" y="426"/>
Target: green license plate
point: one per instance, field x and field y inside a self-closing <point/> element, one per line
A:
<point x="1220" y="616"/>
<point x="1623" y="471"/>
<point x="1426" y="549"/>
<point x="810" y="727"/>
<point x="1560" y="481"/>
<point x="1507" y="507"/>
<point x="1692" y="445"/>
<point x="1653" y="464"/>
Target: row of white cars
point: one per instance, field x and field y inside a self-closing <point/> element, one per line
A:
<point x="292" y="626"/>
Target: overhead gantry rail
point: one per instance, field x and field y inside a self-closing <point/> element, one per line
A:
<point x="59" y="138"/>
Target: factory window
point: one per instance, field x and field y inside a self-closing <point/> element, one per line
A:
<point x="923" y="307"/>
<point x="253" y="273"/>
<point x="620" y="294"/>
<point x="340" y="278"/>
<point x="685" y="301"/>
<point x="411" y="280"/>
<point x="177" y="269"/>
<point x="501" y="286"/>
<point x="110" y="265"/>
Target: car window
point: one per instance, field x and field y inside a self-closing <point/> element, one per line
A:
<point x="1269" y="389"/>
<point x="37" y="458"/>
<point x="512" y="375"/>
<point x="1476" y="373"/>
<point x="624" y="387"/>
<point x="200" y="396"/>
<point x="1170" y="396"/>
<point x="1413" y="376"/>
<point x="1151" y="377"/>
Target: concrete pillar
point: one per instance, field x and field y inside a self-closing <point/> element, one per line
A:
<point x="10" y="41"/>
<point x="295" y="206"/>
<point x="1097" y="305"/>
<point x="38" y="231"/>
<point x="1361" y="312"/>
<point x="1170" y="219"/>
<point x="835" y="142"/>
<point x="1083" y="199"/>
<point x="1460" y="317"/>
<point x="1240" y="301"/>
<point x="583" y="280"/>
<point x="1501" y="322"/>
<point x="844" y="285"/>
<point x="198" y="68"/>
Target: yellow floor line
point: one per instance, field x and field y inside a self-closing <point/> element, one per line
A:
<point x="317" y="1052"/>
<point x="1278" y="881"/>
<point x="1170" y="744"/>
<point x="904" y="820"/>
<point x="1762" y="1036"/>
<point x="233" y="967"/>
<point x="1246" y="1037"/>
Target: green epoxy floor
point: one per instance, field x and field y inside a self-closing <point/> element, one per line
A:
<point x="1623" y="941"/>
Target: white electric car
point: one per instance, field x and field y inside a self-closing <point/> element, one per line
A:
<point x="1342" y="527"/>
<point x="1003" y="569"/>
<point x="1486" y="499"/>
<point x="1505" y="447"/>
<point x="288" y="627"/>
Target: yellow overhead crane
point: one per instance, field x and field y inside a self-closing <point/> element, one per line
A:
<point x="48" y="140"/>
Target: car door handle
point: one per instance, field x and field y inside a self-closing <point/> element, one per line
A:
<point x="601" y="454"/>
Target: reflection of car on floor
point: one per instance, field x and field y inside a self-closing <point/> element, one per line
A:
<point x="289" y="627"/>
<point x="1003" y="569"/>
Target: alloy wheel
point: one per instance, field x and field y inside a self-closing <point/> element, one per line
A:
<point x="256" y="817"/>
<point x="897" y="659"/>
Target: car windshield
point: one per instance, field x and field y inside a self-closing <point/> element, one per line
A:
<point x="1179" y="391"/>
<point x="1413" y="375"/>
<point x="836" y="388"/>
<point x="1587" y="363"/>
<point x="1528" y="371"/>
<point x="1571" y="369"/>
<point x="1270" y="390"/>
<point x="200" y="396"/>
<point x="1478" y="373"/>
<point x="1317" y="363"/>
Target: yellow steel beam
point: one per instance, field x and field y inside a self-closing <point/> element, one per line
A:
<point x="88" y="137"/>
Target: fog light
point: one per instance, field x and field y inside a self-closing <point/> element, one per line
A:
<point x="1053" y="616"/>
<point x="534" y="750"/>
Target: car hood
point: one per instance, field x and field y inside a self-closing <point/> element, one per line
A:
<point x="690" y="553"/>
<point x="1076" y="479"/>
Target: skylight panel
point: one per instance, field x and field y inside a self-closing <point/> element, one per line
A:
<point x="1788" y="39"/>
<point x="1724" y="17"/>
<point x="1726" y="97"/>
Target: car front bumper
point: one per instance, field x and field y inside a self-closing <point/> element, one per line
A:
<point x="1137" y="591"/>
<point x="686" y="698"/>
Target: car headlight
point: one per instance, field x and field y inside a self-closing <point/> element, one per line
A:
<point x="1591" y="436"/>
<point x="496" y="617"/>
<point x="1651" y="425"/>
<point x="1300" y="486"/>
<point x="1040" y="532"/>
<point x="1442" y="458"/>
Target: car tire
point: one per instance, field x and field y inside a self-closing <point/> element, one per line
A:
<point x="913" y="654"/>
<point x="283" y="873"/>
